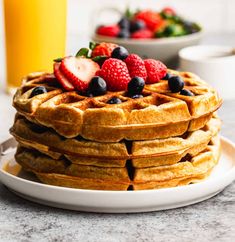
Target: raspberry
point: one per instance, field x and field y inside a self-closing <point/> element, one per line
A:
<point x="115" y="73"/>
<point x="103" y="49"/>
<point x="109" y="30"/>
<point x="152" y="20"/>
<point x="156" y="70"/>
<point x="142" y="34"/>
<point x="136" y="66"/>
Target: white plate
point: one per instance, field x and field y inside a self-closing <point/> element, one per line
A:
<point x="28" y="187"/>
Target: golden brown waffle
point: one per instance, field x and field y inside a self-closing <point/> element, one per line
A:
<point x="62" y="172"/>
<point x="141" y="153"/>
<point x="159" y="114"/>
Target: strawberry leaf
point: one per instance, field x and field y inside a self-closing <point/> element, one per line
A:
<point x="100" y="58"/>
<point x="92" y="45"/>
<point x="128" y="13"/>
<point x="58" y="59"/>
<point x="83" y="52"/>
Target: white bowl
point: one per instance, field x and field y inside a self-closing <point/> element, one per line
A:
<point x="215" y="64"/>
<point x="164" y="49"/>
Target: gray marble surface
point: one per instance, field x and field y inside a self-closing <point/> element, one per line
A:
<point x="211" y="220"/>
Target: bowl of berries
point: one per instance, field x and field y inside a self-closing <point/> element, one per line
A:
<point x="151" y="34"/>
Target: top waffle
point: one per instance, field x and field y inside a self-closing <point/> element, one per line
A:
<point x="159" y="114"/>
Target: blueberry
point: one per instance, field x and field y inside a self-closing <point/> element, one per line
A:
<point x="137" y="25"/>
<point x="114" y="100"/>
<point x="120" y="53"/>
<point x="124" y="23"/>
<point x="137" y="96"/>
<point x="97" y="86"/>
<point x="186" y="92"/>
<point x="191" y="27"/>
<point x="124" y="33"/>
<point x="135" y="86"/>
<point x="167" y="76"/>
<point x="188" y="25"/>
<point x="38" y="90"/>
<point x="88" y="94"/>
<point x="176" y="84"/>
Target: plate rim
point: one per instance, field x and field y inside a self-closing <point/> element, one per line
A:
<point x="223" y="139"/>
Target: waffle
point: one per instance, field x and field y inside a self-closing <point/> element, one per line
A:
<point x="159" y="114"/>
<point x="141" y="153"/>
<point x="62" y="172"/>
<point x="161" y="140"/>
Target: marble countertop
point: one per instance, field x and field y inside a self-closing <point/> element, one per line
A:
<point x="211" y="220"/>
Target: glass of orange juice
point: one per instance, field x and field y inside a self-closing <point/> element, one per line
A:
<point x="35" y="33"/>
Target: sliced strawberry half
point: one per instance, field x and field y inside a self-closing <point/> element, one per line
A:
<point x="61" y="78"/>
<point x="79" y="71"/>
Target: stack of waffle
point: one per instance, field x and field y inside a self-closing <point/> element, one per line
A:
<point x="161" y="140"/>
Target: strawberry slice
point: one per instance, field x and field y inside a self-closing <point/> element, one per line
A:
<point x="61" y="78"/>
<point x="79" y="71"/>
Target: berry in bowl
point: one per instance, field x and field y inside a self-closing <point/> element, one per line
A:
<point x="151" y="34"/>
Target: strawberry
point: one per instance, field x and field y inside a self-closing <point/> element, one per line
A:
<point x="169" y="11"/>
<point x="61" y="78"/>
<point x="115" y="73"/>
<point x="142" y="34"/>
<point x="156" y="70"/>
<point x="108" y="30"/>
<point x="136" y="66"/>
<point x="79" y="71"/>
<point x="152" y="20"/>
<point x="103" y="49"/>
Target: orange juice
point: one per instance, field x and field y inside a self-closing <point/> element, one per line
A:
<point x="35" y="33"/>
